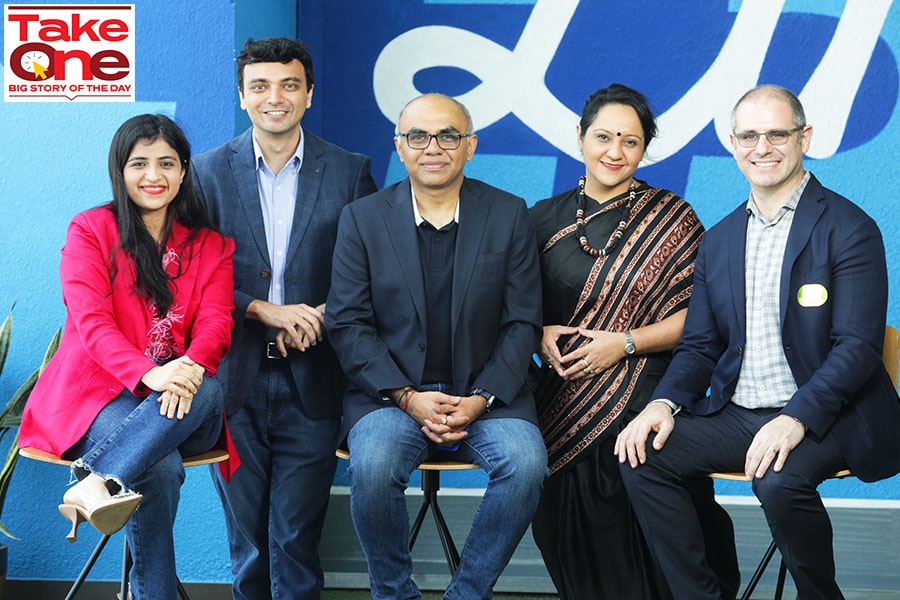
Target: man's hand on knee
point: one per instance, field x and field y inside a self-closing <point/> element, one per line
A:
<point x="772" y="444"/>
<point x="631" y="444"/>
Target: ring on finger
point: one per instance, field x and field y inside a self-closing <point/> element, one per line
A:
<point x="444" y="420"/>
<point x="773" y="450"/>
<point x="587" y="365"/>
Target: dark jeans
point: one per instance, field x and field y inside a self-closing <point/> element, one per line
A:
<point x="275" y="502"/>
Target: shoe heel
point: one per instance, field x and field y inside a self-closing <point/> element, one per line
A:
<point x="112" y="515"/>
<point x="72" y="514"/>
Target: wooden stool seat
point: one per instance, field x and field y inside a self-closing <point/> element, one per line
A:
<point x="207" y="458"/>
<point x="431" y="485"/>
<point x="737" y="476"/>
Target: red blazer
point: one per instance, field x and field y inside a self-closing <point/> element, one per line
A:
<point x="107" y="323"/>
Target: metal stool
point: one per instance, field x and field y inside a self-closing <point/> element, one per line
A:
<point x="207" y="458"/>
<point x="431" y="484"/>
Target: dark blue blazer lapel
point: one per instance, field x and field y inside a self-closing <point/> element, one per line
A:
<point x="737" y="259"/>
<point x="243" y="166"/>
<point x="307" y="191"/>
<point x="472" y="223"/>
<point x="806" y="215"/>
<point x="400" y="224"/>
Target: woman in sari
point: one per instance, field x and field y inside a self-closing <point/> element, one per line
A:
<point x="617" y="260"/>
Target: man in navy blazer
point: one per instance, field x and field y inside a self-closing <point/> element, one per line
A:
<point x="278" y="190"/>
<point x="785" y="328"/>
<point x="434" y="312"/>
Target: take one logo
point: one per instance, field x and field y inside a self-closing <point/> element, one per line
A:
<point x="69" y="53"/>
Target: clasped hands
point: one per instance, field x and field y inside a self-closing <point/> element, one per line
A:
<point x="603" y="350"/>
<point x="178" y="380"/>
<point x="770" y="446"/>
<point x="444" y="418"/>
<point x="299" y="326"/>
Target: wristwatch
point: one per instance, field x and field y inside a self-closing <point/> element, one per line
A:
<point x="488" y="397"/>
<point x="629" y="344"/>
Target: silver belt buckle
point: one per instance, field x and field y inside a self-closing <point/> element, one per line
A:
<point x="272" y="351"/>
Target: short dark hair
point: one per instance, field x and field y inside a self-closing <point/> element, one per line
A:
<point x="620" y="94"/>
<point x="269" y="50"/>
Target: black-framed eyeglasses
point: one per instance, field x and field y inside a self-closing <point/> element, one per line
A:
<point x="447" y="140"/>
<point x="776" y="137"/>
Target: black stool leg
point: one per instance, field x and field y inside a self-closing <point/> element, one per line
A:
<point x="126" y="572"/>
<point x="450" y="551"/>
<point x="431" y="483"/>
<point x="127" y="562"/>
<point x="420" y="518"/>
<point x="782" y="573"/>
<point x="87" y="567"/>
<point x="182" y="593"/>
<point x="760" y="569"/>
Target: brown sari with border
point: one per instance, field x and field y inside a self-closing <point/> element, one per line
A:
<point x="647" y="277"/>
<point x="585" y="527"/>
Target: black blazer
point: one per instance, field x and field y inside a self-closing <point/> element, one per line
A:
<point x="376" y="314"/>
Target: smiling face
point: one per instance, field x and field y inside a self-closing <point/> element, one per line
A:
<point x="433" y="170"/>
<point x="613" y="147"/>
<point x="773" y="171"/>
<point x="153" y="175"/>
<point x="275" y="96"/>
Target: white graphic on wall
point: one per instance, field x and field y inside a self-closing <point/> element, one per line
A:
<point x="514" y="81"/>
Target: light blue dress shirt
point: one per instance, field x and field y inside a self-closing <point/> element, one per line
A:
<point x="278" y="198"/>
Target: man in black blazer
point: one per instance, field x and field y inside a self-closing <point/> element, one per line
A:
<point x="785" y="327"/>
<point x="434" y="312"/>
<point x="278" y="190"/>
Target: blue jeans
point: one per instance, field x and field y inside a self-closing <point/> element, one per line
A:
<point x="132" y="444"/>
<point x="276" y="501"/>
<point x="387" y="445"/>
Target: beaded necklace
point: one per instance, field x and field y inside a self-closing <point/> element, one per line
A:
<point x="579" y="223"/>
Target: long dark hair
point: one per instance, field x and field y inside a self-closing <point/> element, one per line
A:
<point x="151" y="280"/>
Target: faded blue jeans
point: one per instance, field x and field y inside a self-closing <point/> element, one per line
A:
<point x="141" y="450"/>
<point x="386" y="446"/>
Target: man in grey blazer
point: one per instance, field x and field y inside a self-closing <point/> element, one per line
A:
<point x="278" y="190"/>
<point x="434" y="312"/>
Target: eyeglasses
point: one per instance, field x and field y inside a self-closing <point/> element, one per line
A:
<point x="776" y="137"/>
<point x="419" y="140"/>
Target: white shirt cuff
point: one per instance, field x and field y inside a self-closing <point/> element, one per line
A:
<point x="676" y="408"/>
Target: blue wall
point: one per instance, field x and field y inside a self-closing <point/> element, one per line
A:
<point x="524" y="68"/>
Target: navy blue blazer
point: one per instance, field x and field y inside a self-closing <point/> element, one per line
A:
<point x="330" y="177"/>
<point x="834" y="349"/>
<point x="376" y="314"/>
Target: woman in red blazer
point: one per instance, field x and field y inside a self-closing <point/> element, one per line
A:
<point x="148" y="288"/>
